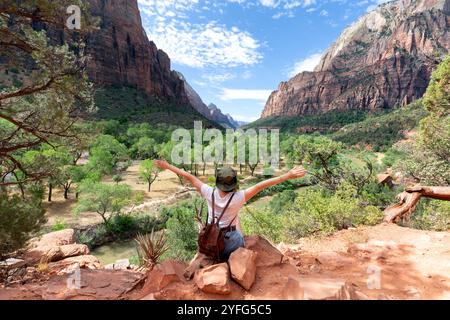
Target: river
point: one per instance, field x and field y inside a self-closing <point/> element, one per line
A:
<point x="110" y="253"/>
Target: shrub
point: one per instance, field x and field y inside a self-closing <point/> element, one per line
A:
<point x="19" y="219"/>
<point x="59" y="225"/>
<point x="281" y="200"/>
<point x="262" y="222"/>
<point x="182" y="231"/>
<point x="316" y="212"/>
<point x="313" y="211"/>
<point x="432" y="215"/>
<point x="121" y="225"/>
<point x="287" y="185"/>
<point x="150" y="248"/>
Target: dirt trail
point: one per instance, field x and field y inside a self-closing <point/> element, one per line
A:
<point x="413" y="264"/>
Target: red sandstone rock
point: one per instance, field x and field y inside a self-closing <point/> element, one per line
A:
<point x="383" y="60"/>
<point x="68" y="264"/>
<point x="162" y="275"/>
<point x="268" y="255"/>
<point x="242" y="264"/>
<point x="72" y="250"/>
<point x="57" y="238"/>
<point x="123" y="55"/>
<point x="214" y="279"/>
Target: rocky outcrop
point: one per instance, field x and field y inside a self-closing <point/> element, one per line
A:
<point x="267" y="254"/>
<point x="383" y="60"/>
<point x="242" y="264"/>
<point x="93" y="285"/>
<point x="214" y="279"/>
<point x="59" y="250"/>
<point x="164" y="274"/>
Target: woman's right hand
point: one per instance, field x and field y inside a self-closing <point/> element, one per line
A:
<point x="297" y="172"/>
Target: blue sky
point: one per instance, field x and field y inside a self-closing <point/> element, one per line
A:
<point x="234" y="53"/>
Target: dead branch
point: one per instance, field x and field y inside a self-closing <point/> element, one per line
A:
<point x="409" y="198"/>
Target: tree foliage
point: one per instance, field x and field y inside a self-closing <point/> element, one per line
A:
<point x="105" y="199"/>
<point x="57" y="90"/>
<point x="19" y="219"/>
<point x="428" y="159"/>
<point x="148" y="172"/>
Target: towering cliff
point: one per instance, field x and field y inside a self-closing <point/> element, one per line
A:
<point x="123" y="55"/>
<point x="383" y="60"/>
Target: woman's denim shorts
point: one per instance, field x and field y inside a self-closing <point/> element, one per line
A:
<point x="233" y="241"/>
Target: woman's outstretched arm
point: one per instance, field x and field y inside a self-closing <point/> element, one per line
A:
<point x="295" y="173"/>
<point x="196" y="182"/>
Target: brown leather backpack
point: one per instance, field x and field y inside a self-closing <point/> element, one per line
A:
<point x="211" y="240"/>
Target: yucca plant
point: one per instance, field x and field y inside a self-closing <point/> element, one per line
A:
<point x="150" y="248"/>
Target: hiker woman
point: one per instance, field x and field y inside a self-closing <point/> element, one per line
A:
<point x="226" y="197"/>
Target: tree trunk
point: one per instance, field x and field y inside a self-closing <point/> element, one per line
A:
<point x="149" y="186"/>
<point x="409" y="198"/>
<point x="66" y="193"/>
<point x="252" y="169"/>
<point x="50" y="189"/>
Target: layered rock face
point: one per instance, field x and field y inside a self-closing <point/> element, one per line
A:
<point x="122" y="54"/>
<point x="211" y="112"/>
<point x="383" y="60"/>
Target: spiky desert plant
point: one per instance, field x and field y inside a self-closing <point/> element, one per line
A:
<point x="150" y="248"/>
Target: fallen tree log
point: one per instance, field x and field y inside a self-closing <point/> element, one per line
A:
<point x="409" y="198"/>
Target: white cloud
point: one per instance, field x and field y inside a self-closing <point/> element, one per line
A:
<point x="197" y="44"/>
<point x="270" y="3"/>
<point x="244" y="94"/>
<point x="307" y="64"/>
<point x="218" y="78"/>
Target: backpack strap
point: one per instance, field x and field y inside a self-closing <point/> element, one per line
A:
<point x="226" y="207"/>
<point x="213" y="213"/>
<point x="232" y="220"/>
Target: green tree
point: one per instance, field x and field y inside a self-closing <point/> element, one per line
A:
<point x="105" y="199"/>
<point x="57" y="89"/>
<point x="164" y="151"/>
<point x="429" y="158"/>
<point x="148" y="172"/>
<point x="144" y="148"/>
<point x="19" y="220"/>
<point x="327" y="164"/>
<point x="105" y="153"/>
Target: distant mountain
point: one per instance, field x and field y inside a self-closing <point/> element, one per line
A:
<point x="381" y="61"/>
<point x="212" y="112"/>
<point x="225" y="120"/>
<point x="235" y="123"/>
<point x="194" y="99"/>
